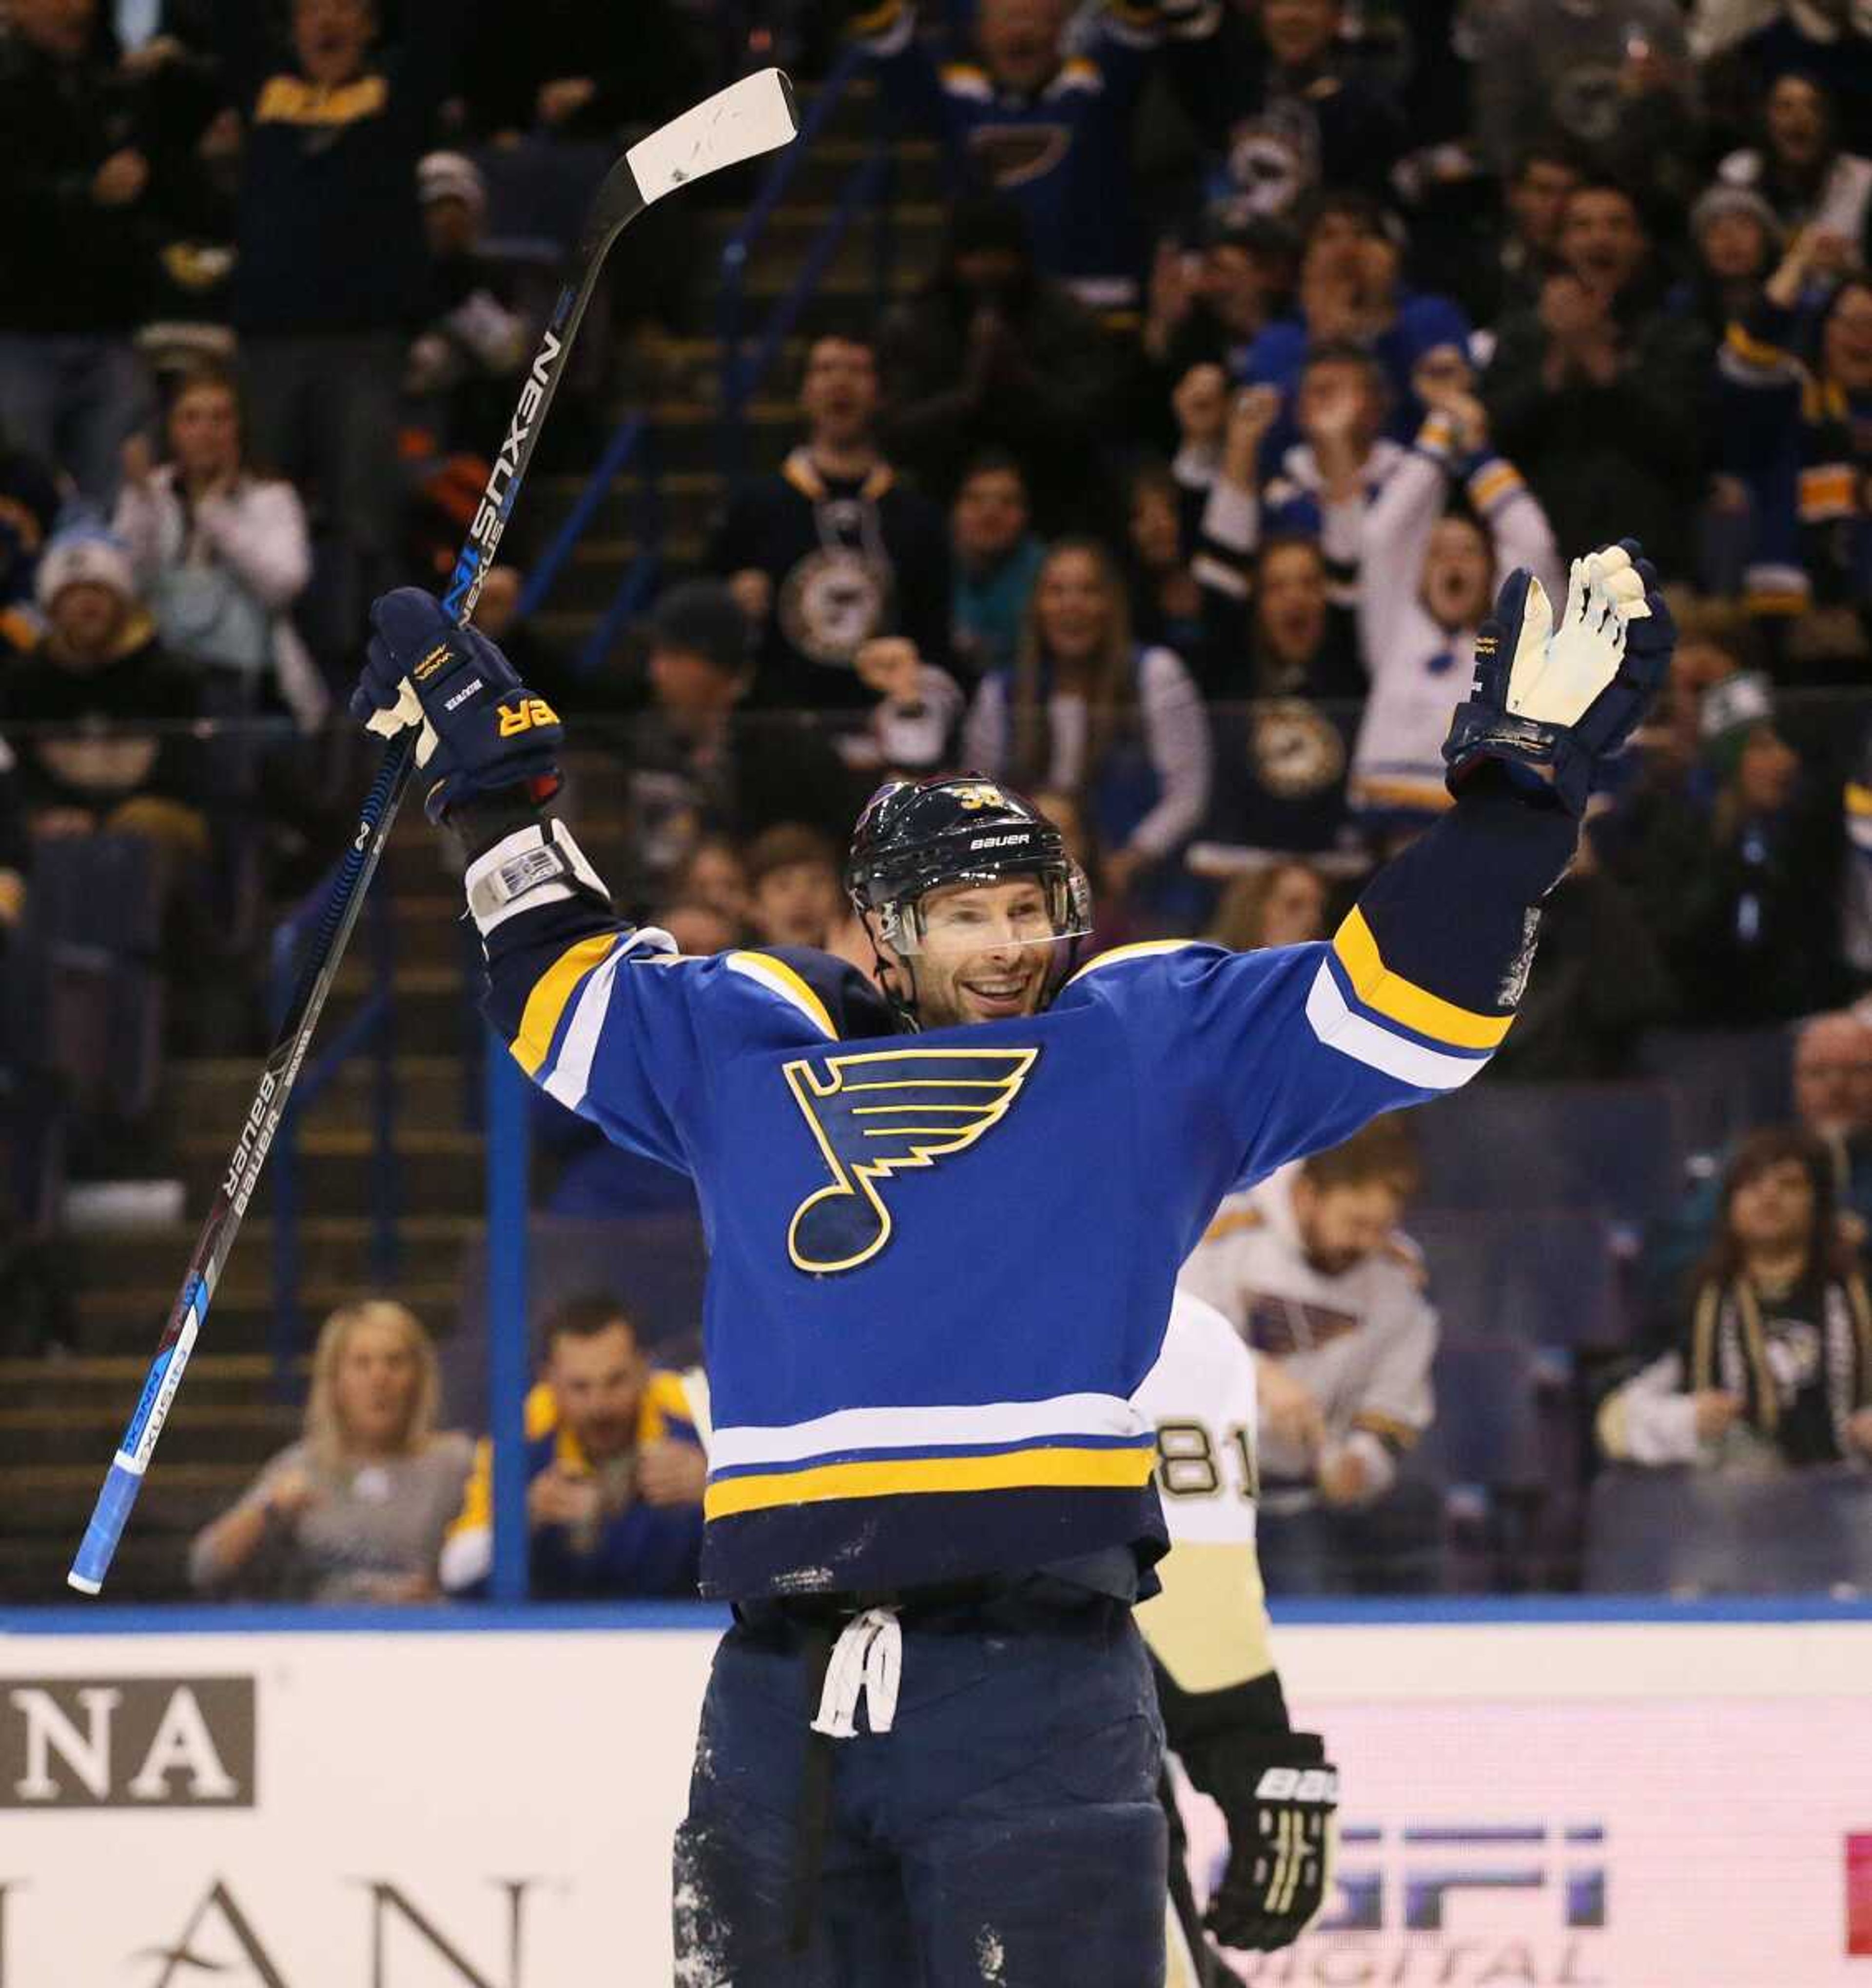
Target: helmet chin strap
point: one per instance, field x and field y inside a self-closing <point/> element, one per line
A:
<point x="904" y="1007"/>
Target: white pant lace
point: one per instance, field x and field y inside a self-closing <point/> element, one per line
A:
<point x="866" y="1662"/>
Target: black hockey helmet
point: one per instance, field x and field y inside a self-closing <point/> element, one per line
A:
<point x="918" y="836"/>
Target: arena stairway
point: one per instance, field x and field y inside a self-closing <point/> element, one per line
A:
<point x="684" y="372"/>
<point x="61" y="1413"/>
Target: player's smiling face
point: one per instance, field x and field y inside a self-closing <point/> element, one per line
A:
<point x="986" y="949"/>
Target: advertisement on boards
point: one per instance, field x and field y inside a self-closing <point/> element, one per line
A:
<point x="1526" y="1807"/>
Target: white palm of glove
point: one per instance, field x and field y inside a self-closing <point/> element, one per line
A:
<point x="1556" y="674"/>
<point x="406" y="712"/>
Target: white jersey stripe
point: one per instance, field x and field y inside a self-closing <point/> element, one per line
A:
<point x="1337" y="1025"/>
<point x="925" y="1429"/>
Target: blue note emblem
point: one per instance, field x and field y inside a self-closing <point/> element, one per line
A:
<point x="879" y="1114"/>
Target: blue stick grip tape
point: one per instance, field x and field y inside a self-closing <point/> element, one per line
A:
<point x="139" y="1443"/>
<point x="108" y="1519"/>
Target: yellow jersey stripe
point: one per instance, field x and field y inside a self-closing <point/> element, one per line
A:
<point x="1771" y="601"/>
<point x="290" y="100"/>
<point x="1754" y="351"/>
<point x="1390" y="994"/>
<point x="1497" y="480"/>
<point x="477" y="1512"/>
<point x="1858" y="799"/>
<point x="1021" y="1469"/>
<point x="780" y="979"/>
<point x="1374" y="1423"/>
<point x="1829" y="491"/>
<point x="1135" y="950"/>
<point x="1233" y="1223"/>
<point x="552" y="995"/>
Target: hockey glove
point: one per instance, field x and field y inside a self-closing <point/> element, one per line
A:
<point x="1279" y="1795"/>
<point x="483" y="731"/>
<point x="1565" y="699"/>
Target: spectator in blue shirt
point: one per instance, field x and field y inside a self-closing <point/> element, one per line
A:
<point x="615" y="1469"/>
<point x="1351" y="291"/>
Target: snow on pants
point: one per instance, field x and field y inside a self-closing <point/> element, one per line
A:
<point x="1004" y="1833"/>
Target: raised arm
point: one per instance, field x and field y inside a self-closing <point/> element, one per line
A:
<point x="886" y="32"/>
<point x="1259" y="1058"/>
<point x="1392" y="533"/>
<point x="600" y="1013"/>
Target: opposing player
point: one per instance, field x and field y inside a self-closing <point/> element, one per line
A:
<point x="1225" y="1714"/>
<point x="944" y="1227"/>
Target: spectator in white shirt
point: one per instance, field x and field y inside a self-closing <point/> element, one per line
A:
<point x="1310" y="1269"/>
<point x="221" y="553"/>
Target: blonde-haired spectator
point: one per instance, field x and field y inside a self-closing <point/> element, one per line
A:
<point x="356" y="1509"/>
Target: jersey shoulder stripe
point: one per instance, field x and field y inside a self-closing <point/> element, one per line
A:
<point x="778" y="977"/>
<point x="552" y="995"/>
<point x="1146" y="949"/>
<point x="1234" y="1222"/>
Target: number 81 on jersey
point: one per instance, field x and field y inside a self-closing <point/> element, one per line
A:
<point x="1192" y="1463"/>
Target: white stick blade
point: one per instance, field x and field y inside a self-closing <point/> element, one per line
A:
<point x="749" y="117"/>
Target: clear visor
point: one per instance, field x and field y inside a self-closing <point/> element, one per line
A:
<point x="988" y="912"/>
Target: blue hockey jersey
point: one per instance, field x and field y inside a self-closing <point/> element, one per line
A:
<point x="1062" y="155"/>
<point x="941" y="1264"/>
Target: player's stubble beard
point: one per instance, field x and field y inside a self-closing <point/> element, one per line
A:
<point x="942" y="1000"/>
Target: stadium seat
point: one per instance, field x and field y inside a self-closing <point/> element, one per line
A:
<point x="1723" y="1082"/>
<point x="1611" y="1147"/>
<point x="99" y="892"/>
<point x="1485" y="1432"/>
<point x="97" y="908"/>
<point x="1546" y="1276"/>
<point x="32" y="1110"/>
<point x="1691" y="1532"/>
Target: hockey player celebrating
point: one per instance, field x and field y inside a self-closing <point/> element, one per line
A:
<point x="944" y="1227"/>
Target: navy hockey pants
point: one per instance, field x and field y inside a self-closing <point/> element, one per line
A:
<point x="1006" y="1833"/>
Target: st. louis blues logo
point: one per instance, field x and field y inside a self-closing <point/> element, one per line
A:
<point x="875" y="1115"/>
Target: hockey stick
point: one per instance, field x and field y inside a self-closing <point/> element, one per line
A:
<point x="749" y="117"/>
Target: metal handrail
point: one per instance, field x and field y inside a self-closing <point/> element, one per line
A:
<point x="644" y="573"/>
<point x="624" y="444"/>
<point x="373" y="1027"/>
<point x="869" y="182"/>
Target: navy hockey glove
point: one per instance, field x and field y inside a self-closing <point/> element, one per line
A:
<point x="483" y="731"/>
<point x="1565" y="698"/>
<point x="1280" y="1797"/>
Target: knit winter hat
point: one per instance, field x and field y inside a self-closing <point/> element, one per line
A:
<point x="85" y="557"/>
<point x="451" y="176"/>
<point x="702" y="618"/>
<point x="1724" y="198"/>
<point x="1727" y="716"/>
